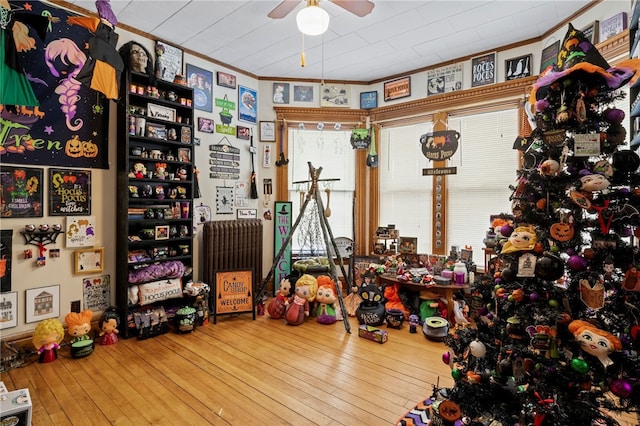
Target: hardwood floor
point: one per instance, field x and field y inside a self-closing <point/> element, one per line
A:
<point x="238" y="372"/>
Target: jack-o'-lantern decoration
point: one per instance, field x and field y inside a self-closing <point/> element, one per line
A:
<point x="89" y="149"/>
<point x="73" y="147"/>
<point x="562" y="231"/>
<point x="449" y="410"/>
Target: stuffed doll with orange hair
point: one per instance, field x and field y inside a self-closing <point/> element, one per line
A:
<point x="278" y="304"/>
<point x="328" y="312"/>
<point x="597" y="342"/>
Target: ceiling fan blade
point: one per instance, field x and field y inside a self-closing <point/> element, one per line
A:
<point x="283" y="9"/>
<point x="357" y="7"/>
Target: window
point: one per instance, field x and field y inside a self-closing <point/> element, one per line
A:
<point x="405" y="195"/>
<point x="487" y="164"/>
<point x="332" y="151"/>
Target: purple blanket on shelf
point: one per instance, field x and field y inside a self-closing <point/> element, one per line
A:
<point x="157" y="271"/>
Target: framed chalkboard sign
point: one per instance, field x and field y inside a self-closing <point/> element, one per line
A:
<point x="69" y="192"/>
<point x="233" y="291"/>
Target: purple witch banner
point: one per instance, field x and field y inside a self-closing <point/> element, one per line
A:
<point x="70" y="127"/>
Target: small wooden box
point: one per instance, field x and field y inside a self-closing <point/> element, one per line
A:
<point x="373" y="333"/>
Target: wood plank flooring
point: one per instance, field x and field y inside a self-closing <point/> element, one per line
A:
<point x="239" y="372"/>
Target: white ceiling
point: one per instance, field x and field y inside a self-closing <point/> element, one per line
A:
<point x="397" y="37"/>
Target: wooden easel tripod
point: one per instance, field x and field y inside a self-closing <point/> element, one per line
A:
<point x="313" y="195"/>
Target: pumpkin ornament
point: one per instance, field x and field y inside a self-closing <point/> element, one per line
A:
<point x="562" y="231"/>
<point x="73" y="147"/>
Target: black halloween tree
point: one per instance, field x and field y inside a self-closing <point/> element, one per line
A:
<point x="557" y="331"/>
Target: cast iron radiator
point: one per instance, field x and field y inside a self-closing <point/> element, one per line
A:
<point x="232" y="244"/>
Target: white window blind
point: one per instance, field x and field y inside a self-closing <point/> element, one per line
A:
<point x="405" y="195"/>
<point x="486" y="165"/>
<point x="331" y="150"/>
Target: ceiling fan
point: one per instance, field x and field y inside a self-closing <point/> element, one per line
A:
<point x="357" y="7"/>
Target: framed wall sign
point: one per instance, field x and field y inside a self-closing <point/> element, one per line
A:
<point x="516" y="68"/>
<point x="233" y="292"/>
<point x="205" y="125"/>
<point x="247" y="104"/>
<point x="280" y="93"/>
<point x="592" y="32"/>
<point x="88" y="261"/>
<point x="549" y="55"/>
<point x="201" y="81"/>
<point x="335" y="95"/>
<point x="483" y="70"/>
<point x="22" y="192"/>
<point x="42" y="303"/>
<point x="247" y="213"/>
<point x="168" y="61"/>
<point x="369" y="100"/>
<point x="267" y="131"/>
<point x="398" y="88"/>
<point x="226" y="80"/>
<point x="69" y="192"/>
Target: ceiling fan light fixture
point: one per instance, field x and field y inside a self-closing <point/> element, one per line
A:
<point x="312" y="20"/>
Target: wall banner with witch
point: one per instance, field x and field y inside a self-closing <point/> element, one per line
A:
<point x="69" y="127"/>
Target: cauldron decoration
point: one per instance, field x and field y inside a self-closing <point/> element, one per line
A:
<point x="435" y="328"/>
<point x="82" y="348"/>
<point x="186" y="319"/>
<point x="395" y="318"/>
<point x="371" y="311"/>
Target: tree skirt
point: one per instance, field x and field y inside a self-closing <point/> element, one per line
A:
<point x="419" y="415"/>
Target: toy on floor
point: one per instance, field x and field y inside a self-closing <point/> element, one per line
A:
<point x="79" y="326"/>
<point x="371" y="310"/>
<point x="108" y="324"/>
<point x="278" y="305"/>
<point x="328" y="312"/>
<point x="305" y="292"/>
<point x="47" y="337"/>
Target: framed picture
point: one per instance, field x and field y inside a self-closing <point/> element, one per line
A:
<point x="224" y="200"/>
<point x="184" y="155"/>
<point x="185" y="135"/>
<point x="6" y="259"/>
<point x="156" y="131"/>
<point x="226" y="80"/>
<point x="201" y="81"/>
<point x="97" y="292"/>
<point x="369" y="100"/>
<point x="483" y="70"/>
<point x="42" y="303"/>
<point x="444" y="79"/>
<point x="69" y="192"/>
<point x="612" y="26"/>
<point x="22" y="192"/>
<point x="162" y="232"/>
<point x="549" y="55"/>
<point x="80" y="231"/>
<point x="9" y="311"/>
<point x="267" y="131"/>
<point x="303" y="93"/>
<point x="205" y="125"/>
<point x="407" y="245"/>
<point x="168" y="61"/>
<point x="280" y="93"/>
<point x="282" y="223"/>
<point x="243" y="133"/>
<point x="247" y="104"/>
<point x="161" y="112"/>
<point x="398" y="88"/>
<point x="335" y="95"/>
<point x="88" y="261"/>
<point x="592" y="32"/>
<point x="516" y="68"/>
<point x="247" y="213"/>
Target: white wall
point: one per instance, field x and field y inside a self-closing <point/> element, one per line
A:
<point x="59" y="271"/>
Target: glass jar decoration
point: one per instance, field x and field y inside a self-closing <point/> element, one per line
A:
<point x="460" y="273"/>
